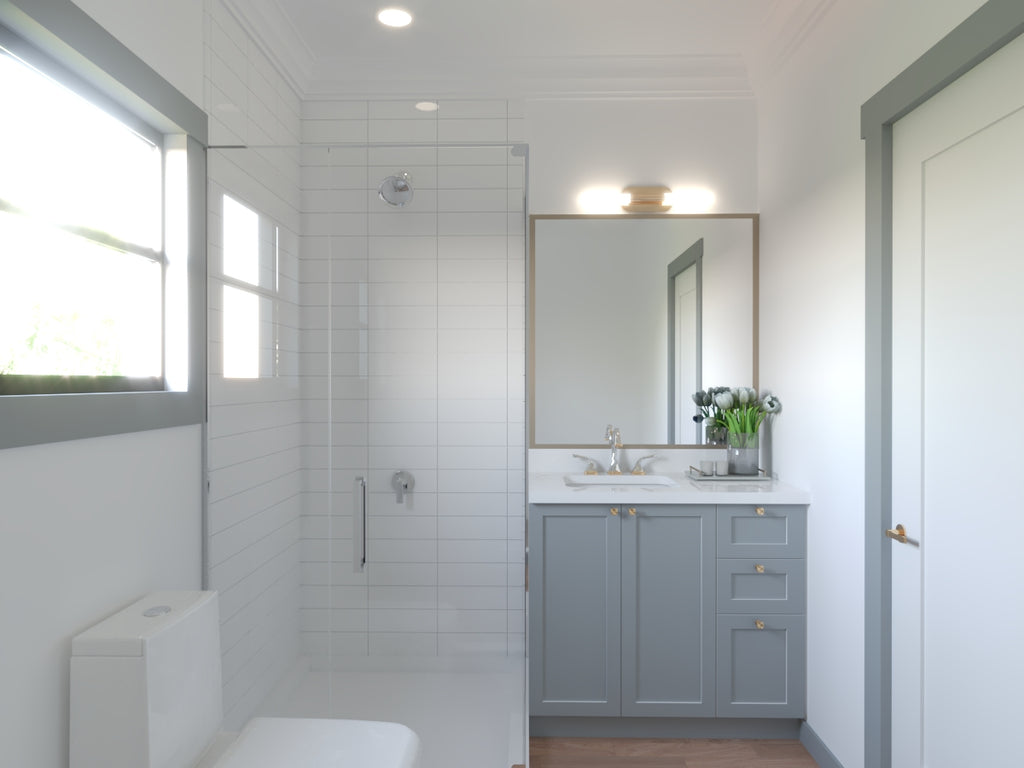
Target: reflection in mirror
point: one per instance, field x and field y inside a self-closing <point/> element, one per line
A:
<point x="630" y="315"/>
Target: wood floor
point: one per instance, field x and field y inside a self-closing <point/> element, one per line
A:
<point x="669" y="753"/>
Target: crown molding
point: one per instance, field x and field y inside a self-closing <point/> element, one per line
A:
<point x="272" y="31"/>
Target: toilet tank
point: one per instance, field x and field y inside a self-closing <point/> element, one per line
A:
<point x="146" y="684"/>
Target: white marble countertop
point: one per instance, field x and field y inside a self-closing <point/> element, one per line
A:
<point x="551" y="488"/>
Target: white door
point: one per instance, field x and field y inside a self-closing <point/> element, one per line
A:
<point x="958" y="422"/>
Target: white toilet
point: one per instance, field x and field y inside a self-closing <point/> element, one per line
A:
<point x="146" y="693"/>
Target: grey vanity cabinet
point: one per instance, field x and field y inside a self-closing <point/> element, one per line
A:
<point x="761" y="633"/>
<point x="622" y="620"/>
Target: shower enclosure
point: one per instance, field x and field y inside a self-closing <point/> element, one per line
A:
<point x="366" y="452"/>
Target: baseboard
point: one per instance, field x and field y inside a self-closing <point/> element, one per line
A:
<point x="816" y="747"/>
<point x="665" y="728"/>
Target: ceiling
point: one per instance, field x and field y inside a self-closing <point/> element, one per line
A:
<point x="538" y="48"/>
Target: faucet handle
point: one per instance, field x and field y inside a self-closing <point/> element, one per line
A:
<point x="638" y="466"/>
<point x="592" y="468"/>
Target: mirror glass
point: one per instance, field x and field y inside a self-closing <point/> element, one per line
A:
<point x="630" y="315"/>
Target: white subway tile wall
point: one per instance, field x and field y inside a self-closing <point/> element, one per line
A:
<point x="396" y="341"/>
<point x="255" y="435"/>
<point x="422" y="308"/>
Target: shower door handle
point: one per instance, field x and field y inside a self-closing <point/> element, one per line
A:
<point x="359" y="524"/>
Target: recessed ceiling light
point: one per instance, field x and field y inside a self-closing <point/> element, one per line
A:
<point x="426" y="106"/>
<point x="394" y="17"/>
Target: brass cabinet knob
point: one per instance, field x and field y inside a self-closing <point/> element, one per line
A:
<point x="758" y="623"/>
<point x="632" y="511"/>
<point x="759" y="568"/>
<point x="759" y="511"/>
<point x="614" y="510"/>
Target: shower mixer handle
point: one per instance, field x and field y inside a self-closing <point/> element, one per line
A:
<point x="402" y="482"/>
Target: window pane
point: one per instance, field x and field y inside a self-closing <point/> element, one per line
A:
<point x="241" y="242"/>
<point x="241" y="334"/>
<point x="71" y="307"/>
<point x="70" y="163"/>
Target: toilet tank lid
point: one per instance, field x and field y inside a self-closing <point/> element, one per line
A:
<point x="126" y="632"/>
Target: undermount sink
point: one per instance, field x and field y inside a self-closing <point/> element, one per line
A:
<point x="583" y="480"/>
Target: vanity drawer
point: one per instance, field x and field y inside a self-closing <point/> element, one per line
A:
<point x="761" y="531"/>
<point x="750" y="585"/>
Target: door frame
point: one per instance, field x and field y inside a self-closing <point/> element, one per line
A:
<point x="984" y="32"/>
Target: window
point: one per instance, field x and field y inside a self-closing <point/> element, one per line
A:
<point x="102" y="235"/>
<point x="81" y="242"/>
<point x="249" y="299"/>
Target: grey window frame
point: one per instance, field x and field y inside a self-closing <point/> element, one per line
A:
<point x="61" y="31"/>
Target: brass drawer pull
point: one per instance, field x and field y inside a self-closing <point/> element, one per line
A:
<point x="759" y="568"/>
<point x="758" y="623"/>
<point x="632" y="511"/>
<point x="759" y="511"/>
<point x="614" y="511"/>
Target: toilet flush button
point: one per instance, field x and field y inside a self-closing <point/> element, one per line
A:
<point x="156" y="610"/>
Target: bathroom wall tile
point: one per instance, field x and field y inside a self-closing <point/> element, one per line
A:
<point x="419" y="598"/>
<point x="401" y="573"/>
<point x="472" y="433"/>
<point x="404" y="130"/>
<point x="478" y="129"/>
<point x="403" y="294"/>
<point x="471" y="528"/>
<point x="474" y="247"/>
<point x="461" y="109"/>
<point x="478" y="457"/>
<point x="472" y="223"/>
<point x="333" y="131"/>
<point x="403" y="644"/>
<point x="473" y="176"/>
<point x="333" y="109"/>
<point x="469" y="644"/>
<point x="404" y="223"/>
<point x="382" y="158"/>
<point x="403" y="271"/>
<point x="402" y="551"/>
<point x="472" y="575"/>
<point x="472" y="271"/>
<point x="402" y="527"/>
<point x="403" y="317"/>
<point x="400" y="620"/>
<point x="466" y="551"/>
<point x="476" y="200"/>
<point x="471" y="294"/>
<point x="405" y="389"/>
<point x="468" y="503"/>
<point x="451" y="341"/>
<point x="472" y="317"/>
<point x="403" y="434"/>
<point x="385" y="248"/>
<point x="469" y="410"/>
<point x="472" y="621"/>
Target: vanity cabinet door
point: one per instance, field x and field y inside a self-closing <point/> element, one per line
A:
<point x="574" y="610"/>
<point x="668" y="611"/>
<point x="761" y="665"/>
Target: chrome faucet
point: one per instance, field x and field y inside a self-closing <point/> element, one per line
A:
<point x="614" y="439"/>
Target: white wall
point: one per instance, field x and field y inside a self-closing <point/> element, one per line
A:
<point x="684" y="142"/>
<point x="166" y="34"/>
<point x="87" y="527"/>
<point x="812" y="315"/>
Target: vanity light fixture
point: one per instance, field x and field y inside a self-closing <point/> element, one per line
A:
<point x="394" y="17"/>
<point x="646" y="199"/>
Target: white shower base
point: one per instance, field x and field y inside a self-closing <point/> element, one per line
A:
<point x="468" y="713"/>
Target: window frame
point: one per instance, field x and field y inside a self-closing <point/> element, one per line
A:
<point x="60" y="34"/>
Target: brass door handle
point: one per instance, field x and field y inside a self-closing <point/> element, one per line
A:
<point x="899" y="533"/>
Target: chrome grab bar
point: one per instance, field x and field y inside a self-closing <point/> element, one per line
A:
<point x="359" y="524"/>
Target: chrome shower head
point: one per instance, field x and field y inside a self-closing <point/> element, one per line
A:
<point x="396" y="190"/>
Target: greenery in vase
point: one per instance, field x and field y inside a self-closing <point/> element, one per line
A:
<point x="738" y="409"/>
